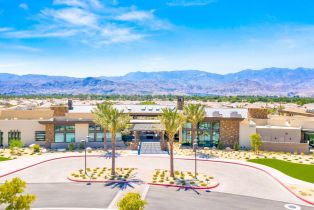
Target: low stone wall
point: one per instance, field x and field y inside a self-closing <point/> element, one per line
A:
<point x="286" y="147"/>
<point x="89" y="144"/>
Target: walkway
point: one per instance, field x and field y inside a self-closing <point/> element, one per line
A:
<point x="151" y="147"/>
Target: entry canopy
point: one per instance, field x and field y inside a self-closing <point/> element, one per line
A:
<point x="147" y="127"/>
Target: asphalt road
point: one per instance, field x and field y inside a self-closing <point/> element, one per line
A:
<point x="97" y="195"/>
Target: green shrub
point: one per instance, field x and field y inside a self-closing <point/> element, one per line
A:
<point x="36" y="148"/>
<point x="16" y="143"/>
<point x="236" y="146"/>
<point x="11" y="194"/>
<point x="256" y="142"/>
<point x="71" y="146"/>
<point x="81" y="145"/>
<point x="220" y="146"/>
<point x="131" y="201"/>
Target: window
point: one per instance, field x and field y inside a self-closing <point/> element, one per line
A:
<point x="40" y="135"/>
<point x="14" y="135"/>
<point x="64" y="133"/>
<point x="208" y="133"/>
<point x="96" y="133"/>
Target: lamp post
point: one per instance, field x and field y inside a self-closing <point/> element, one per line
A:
<point x="85" y="141"/>
<point x="194" y="149"/>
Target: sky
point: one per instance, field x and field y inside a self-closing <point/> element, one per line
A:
<point x="113" y="37"/>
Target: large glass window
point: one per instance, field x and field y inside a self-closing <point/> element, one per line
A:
<point x="40" y="135"/>
<point x="64" y="133"/>
<point x="95" y="133"/>
<point x="208" y="133"/>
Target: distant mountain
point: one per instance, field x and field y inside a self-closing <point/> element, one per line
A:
<point x="270" y="81"/>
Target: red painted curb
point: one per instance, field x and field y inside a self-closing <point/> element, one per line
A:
<point x="218" y="161"/>
<point x="186" y="187"/>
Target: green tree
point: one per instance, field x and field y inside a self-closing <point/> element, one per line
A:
<point x="131" y="201"/>
<point x="112" y="120"/>
<point x="195" y="113"/>
<point x="256" y="142"/>
<point x="172" y="121"/>
<point x="11" y="195"/>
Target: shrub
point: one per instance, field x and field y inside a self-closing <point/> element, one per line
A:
<point x="236" y="146"/>
<point x="16" y="143"/>
<point x="36" y="148"/>
<point x="220" y="146"/>
<point x="81" y="145"/>
<point x="131" y="201"/>
<point x="11" y="195"/>
<point x="71" y="146"/>
<point x="256" y="142"/>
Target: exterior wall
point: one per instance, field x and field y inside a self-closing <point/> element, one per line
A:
<point x="286" y="147"/>
<point x="258" y="113"/>
<point x="81" y="131"/>
<point x="292" y="135"/>
<point x="229" y="131"/>
<point x="50" y="134"/>
<point x="246" y="131"/>
<point x="26" y="127"/>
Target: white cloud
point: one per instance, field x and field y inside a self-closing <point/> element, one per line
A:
<point x="23" y="6"/>
<point x="112" y="34"/>
<point x="40" y="34"/>
<point x="136" y="15"/>
<point x="73" y="16"/>
<point x="189" y="3"/>
<point x="4" y="29"/>
<point x="79" y="3"/>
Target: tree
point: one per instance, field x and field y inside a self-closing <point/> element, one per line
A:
<point x="112" y="120"/>
<point x="11" y="194"/>
<point x="195" y="113"/>
<point x="172" y="121"/>
<point x="256" y="142"/>
<point x="131" y="201"/>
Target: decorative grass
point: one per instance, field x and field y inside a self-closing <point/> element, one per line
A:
<point x="4" y="159"/>
<point x="303" y="172"/>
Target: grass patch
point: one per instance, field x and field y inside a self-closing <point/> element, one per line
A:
<point x="4" y="158"/>
<point x="303" y="172"/>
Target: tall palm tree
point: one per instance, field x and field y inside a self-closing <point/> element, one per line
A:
<point x="195" y="113"/>
<point x="172" y="121"/>
<point x="112" y="120"/>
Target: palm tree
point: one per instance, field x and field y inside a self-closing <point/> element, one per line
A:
<point x="172" y="121"/>
<point x="112" y="120"/>
<point x="195" y="113"/>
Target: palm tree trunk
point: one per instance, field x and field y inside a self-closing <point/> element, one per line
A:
<point x="171" y="156"/>
<point x="105" y="139"/>
<point x="194" y="128"/>
<point x="113" y="158"/>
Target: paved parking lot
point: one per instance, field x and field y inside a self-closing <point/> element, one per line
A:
<point x="239" y="185"/>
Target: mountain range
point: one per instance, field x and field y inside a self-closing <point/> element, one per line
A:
<point x="264" y="82"/>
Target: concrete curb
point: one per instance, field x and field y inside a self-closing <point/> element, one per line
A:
<point x="217" y="161"/>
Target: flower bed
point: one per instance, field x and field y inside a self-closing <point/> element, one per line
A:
<point x="102" y="174"/>
<point x="183" y="179"/>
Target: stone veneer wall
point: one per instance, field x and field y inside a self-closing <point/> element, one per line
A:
<point x="229" y="131"/>
<point x="257" y="113"/>
<point x="50" y="132"/>
<point x="59" y="111"/>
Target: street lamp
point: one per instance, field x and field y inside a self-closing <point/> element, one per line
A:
<point x="194" y="149"/>
<point x="85" y="141"/>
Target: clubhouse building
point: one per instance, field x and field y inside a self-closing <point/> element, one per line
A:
<point x="57" y="126"/>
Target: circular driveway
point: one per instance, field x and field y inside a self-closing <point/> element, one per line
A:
<point x="234" y="179"/>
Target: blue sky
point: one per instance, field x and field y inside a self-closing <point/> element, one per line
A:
<point x="113" y="37"/>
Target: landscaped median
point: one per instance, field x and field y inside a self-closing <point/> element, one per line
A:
<point x="102" y="174"/>
<point x="183" y="179"/>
